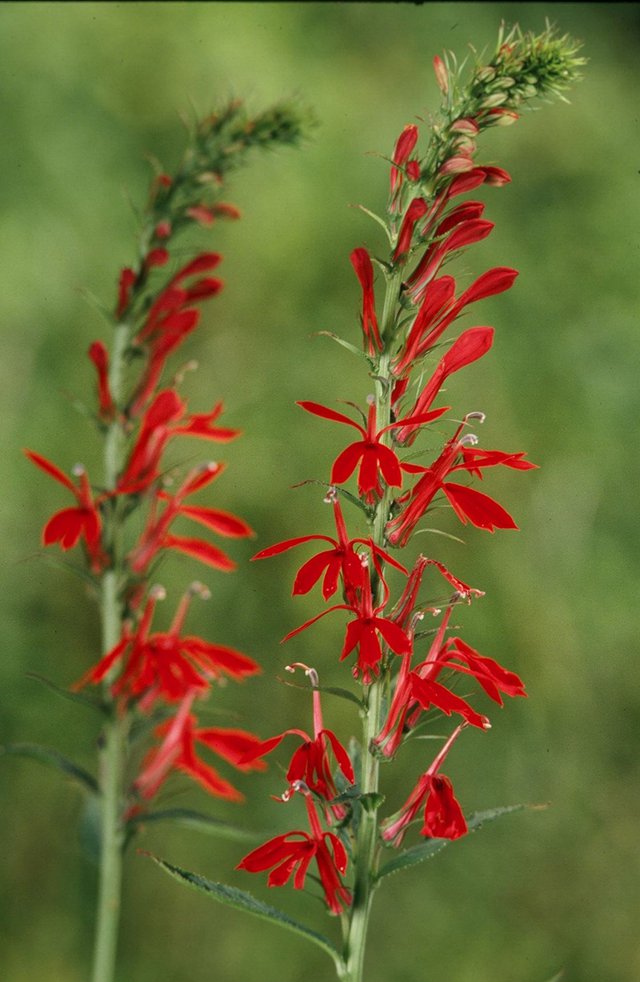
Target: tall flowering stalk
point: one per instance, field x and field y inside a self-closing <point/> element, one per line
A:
<point x="148" y="682"/>
<point x="408" y="674"/>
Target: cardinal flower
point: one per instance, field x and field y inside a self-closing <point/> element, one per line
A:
<point x="341" y="560"/>
<point x="443" y="818"/>
<point x="364" y="632"/>
<point x="163" y="664"/>
<point x="375" y="460"/>
<point x="310" y="763"/>
<point x="177" y="752"/>
<point x="156" y="535"/>
<point x="469" y="505"/>
<point x="364" y="271"/>
<point x="291" y="854"/>
<point x="83" y="521"/>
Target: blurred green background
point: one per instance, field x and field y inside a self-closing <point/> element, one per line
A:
<point x="88" y="90"/>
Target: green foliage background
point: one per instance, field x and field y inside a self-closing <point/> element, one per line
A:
<point x="89" y="89"/>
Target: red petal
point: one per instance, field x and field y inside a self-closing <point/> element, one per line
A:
<point x="279" y="547"/>
<point x="346" y="462"/>
<point x="318" y="410"/>
<point x="200" y="550"/>
<point x="50" y="469"/>
<point x="481" y="510"/>
<point x="222" y="522"/>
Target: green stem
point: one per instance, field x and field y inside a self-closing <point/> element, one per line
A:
<point x="367" y="836"/>
<point x="114" y="737"/>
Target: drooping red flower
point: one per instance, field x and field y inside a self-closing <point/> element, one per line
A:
<point x="469" y="505"/>
<point x="291" y="854"/>
<point x="443" y="818"/>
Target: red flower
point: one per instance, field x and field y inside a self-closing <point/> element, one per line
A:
<point x="364" y="271"/>
<point x="342" y="559"/>
<point x="156" y="535"/>
<point x="469" y="347"/>
<point x="464" y="234"/>
<point x="70" y="525"/>
<point x="310" y="763"/>
<point x="100" y="358"/>
<point x="416" y="210"/>
<point x="439" y="309"/>
<point x="291" y="854"/>
<point x="164" y="665"/>
<point x="403" y="149"/>
<point x="443" y="818"/>
<point x="364" y="633"/>
<point x="372" y="455"/>
<point x="159" y="424"/>
<point x="177" y="752"/>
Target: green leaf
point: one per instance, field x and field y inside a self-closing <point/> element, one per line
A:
<point x="48" y="756"/>
<point x="345" y="344"/>
<point x="241" y="900"/>
<point x="79" y="697"/>
<point x="430" y="847"/>
<point x="371" y="801"/>
<point x="196" y="820"/>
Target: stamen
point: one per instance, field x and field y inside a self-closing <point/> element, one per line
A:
<point x="475" y="415"/>
<point x="78" y="470"/>
<point x="157" y="592"/>
<point x="468" y="440"/>
<point x="198" y="589"/>
<point x="331" y="496"/>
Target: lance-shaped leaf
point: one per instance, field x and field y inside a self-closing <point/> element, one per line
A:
<point x="195" y="820"/>
<point x="55" y="759"/>
<point x="429" y="848"/>
<point x="246" y="902"/>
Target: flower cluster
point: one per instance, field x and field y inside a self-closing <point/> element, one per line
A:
<point x="408" y="675"/>
<point x="129" y="522"/>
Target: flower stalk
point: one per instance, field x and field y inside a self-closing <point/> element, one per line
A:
<point x="150" y="680"/>
<point x="400" y="682"/>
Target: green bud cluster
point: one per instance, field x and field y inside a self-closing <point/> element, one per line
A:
<point x="527" y="66"/>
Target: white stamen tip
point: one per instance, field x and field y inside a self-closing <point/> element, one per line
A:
<point x="157" y="592"/>
<point x="370" y="400"/>
<point x="78" y="470"/>
<point x="198" y="589"/>
<point x="475" y="415"/>
<point x="469" y="440"/>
